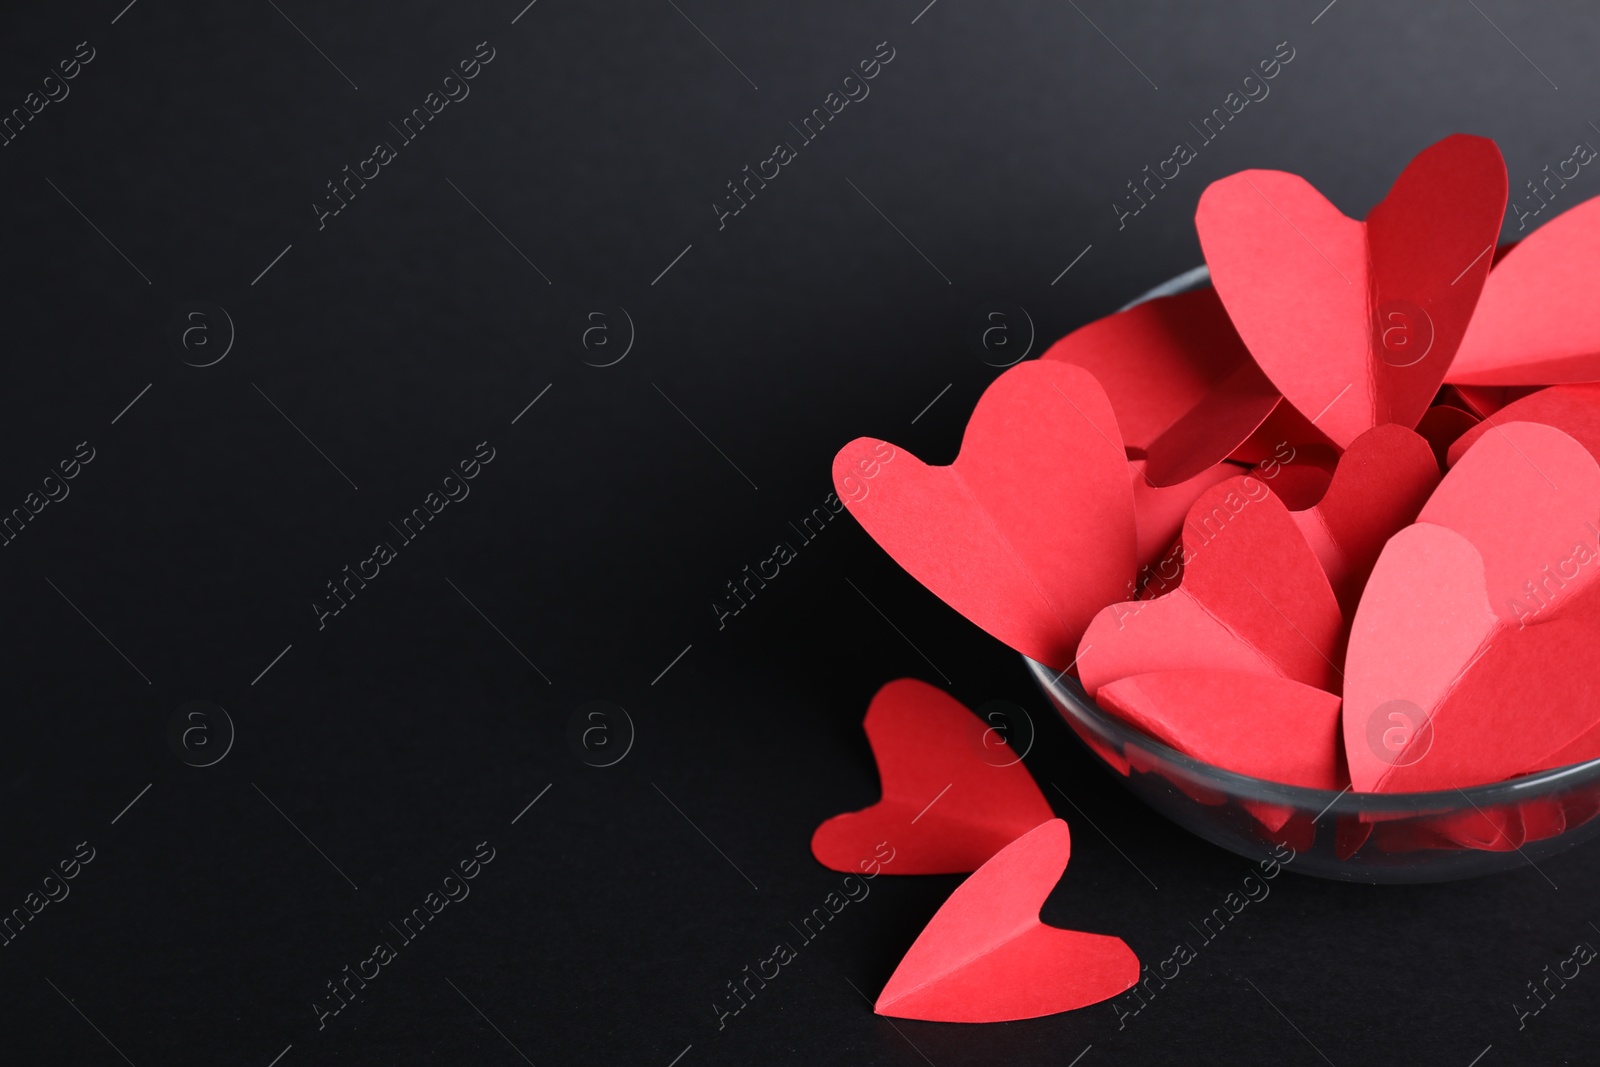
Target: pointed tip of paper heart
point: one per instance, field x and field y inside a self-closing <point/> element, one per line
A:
<point x="986" y="957"/>
<point x="1041" y="853"/>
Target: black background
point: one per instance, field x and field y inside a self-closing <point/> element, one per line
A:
<point x="409" y="329"/>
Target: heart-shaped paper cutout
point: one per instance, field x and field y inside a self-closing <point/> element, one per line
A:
<point x="1031" y="530"/>
<point x="1354" y="322"/>
<point x="954" y="793"/>
<point x="1538" y="322"/>
<point x="1252" y="724"/>
<point x="985" y="956"/>
<point x="1380" y="484"/>
<point x="1470" y="656"/>
<point x="1183" y="386"/>
<point x="1252" y="598"/>
<point x="1572" y="409"/>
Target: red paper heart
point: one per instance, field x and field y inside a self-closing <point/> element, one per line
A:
<point x="1251" y="724"/>
<point x="1031" y="530"/>
<point x="1356" y="322"/>
<point x="1184" y="387"/>
<point x="1471" y="654"/>
<point x="1572" y="409"/>
<point x="1380" y="484"/>
<point x="954" y="793"/>
<point x="1538" y="322"/>
<point x="985" y="956"/>
<point x="1252" y="598"/>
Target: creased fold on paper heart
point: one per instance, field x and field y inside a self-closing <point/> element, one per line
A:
<point x="1355" y="322"/>
<point x="986" y="957"/>
<point x="954" y="793"/>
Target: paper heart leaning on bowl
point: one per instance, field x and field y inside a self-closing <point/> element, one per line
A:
<point x="1031" y="530"/>
<point x="1471" y="656"/>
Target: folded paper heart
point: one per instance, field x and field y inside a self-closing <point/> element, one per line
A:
<point x="1253" y="597"/>
<point x="1355" y="322"/>
<point x="985" y="956"/>
<point x="1572" y="409"/>
<point x="1469" y="657"/>
<point x="1538" y="322"/>
<point x="1031" y="530"/>
<point x="1223" y="509"/>
<point x="954" y="793"/>
<point x="1380" y="484"/>
<point x="1183" y="386"/>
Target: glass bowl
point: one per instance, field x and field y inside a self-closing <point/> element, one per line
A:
<point x="1346" y="836"/>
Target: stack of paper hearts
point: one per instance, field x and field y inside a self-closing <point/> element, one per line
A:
<point x="1332" y="521"/>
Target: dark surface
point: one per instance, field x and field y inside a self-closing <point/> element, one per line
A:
<point x="407" y="331"/>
